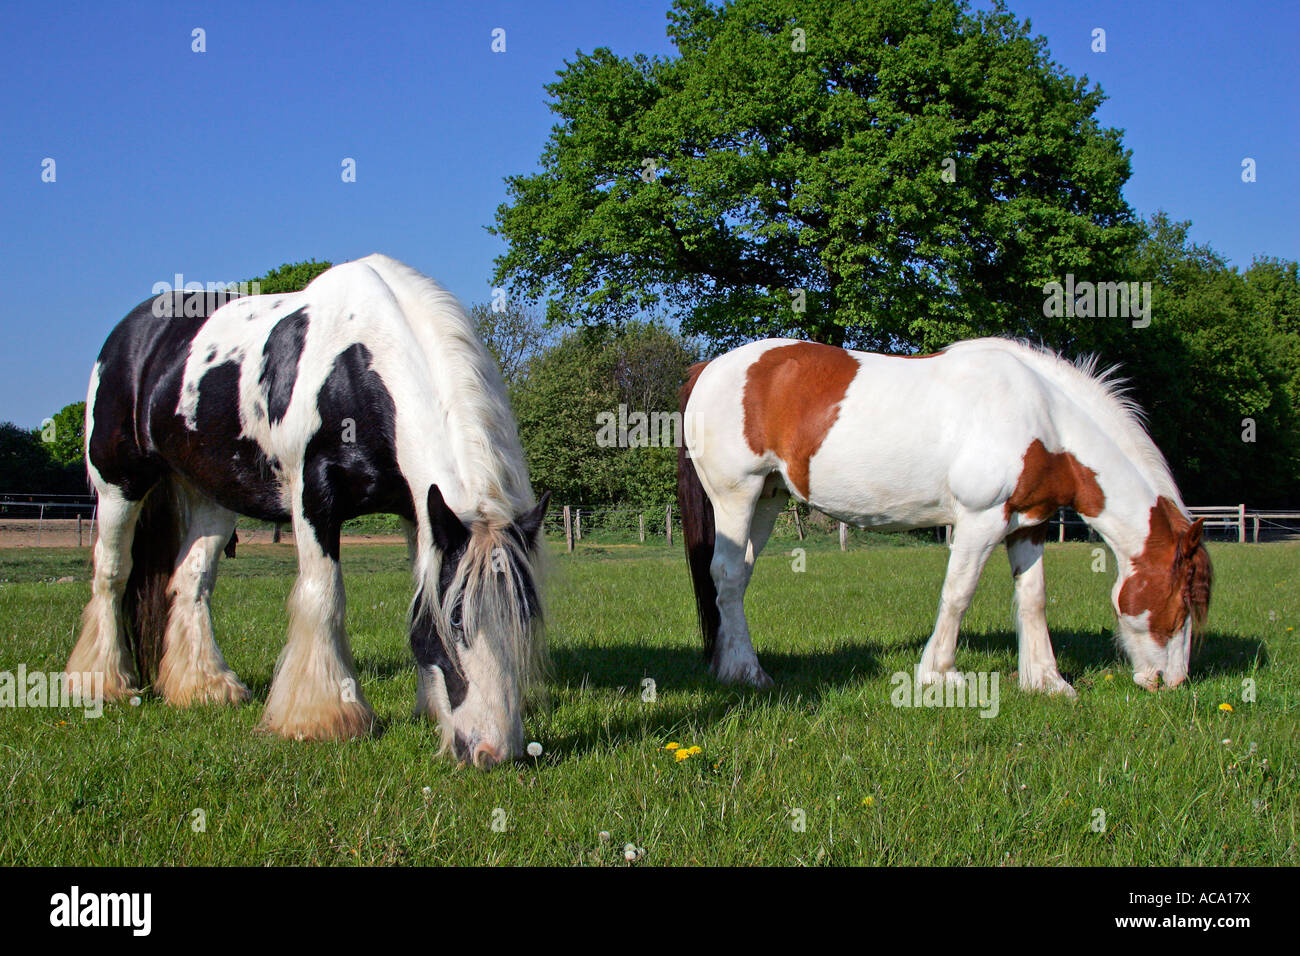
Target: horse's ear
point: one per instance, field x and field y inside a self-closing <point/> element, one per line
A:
<point x="1192" y="536"/>
<point x="531" y="521"/>
<point x="449" y="532"/>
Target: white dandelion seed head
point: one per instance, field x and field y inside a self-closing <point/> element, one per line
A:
<point x="534" y="749"/>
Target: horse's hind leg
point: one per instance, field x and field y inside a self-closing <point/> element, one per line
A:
<point x="974" y="538"/>
<point x="192" y="670"/>
<point x="742" y="523"/>
<point x="102" y="647"/>
<point x="315" y="694"/>
<point x="1038" y="669"/>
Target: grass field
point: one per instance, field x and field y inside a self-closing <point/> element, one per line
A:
<point x="1180" y="780"/>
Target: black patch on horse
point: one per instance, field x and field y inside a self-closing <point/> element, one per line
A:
<point x="230" y="467"/>
<point x="280" y="358"/>
<point x="350" y="464"/>
<point x="427" y="646"/>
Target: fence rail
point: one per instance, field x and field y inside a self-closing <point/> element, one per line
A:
<point x="573" y="523"/>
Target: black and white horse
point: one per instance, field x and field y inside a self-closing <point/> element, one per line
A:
<point x="366" y="392"/>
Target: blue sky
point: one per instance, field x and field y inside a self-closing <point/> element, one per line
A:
<point x="224" y="164"/>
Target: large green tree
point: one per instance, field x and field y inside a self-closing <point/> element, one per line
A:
<point x="885" y="173"/>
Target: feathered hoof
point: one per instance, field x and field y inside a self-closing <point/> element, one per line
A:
<point x="224" y="689"/>
<point x="119" y="682"/>
<point x="337" y="721"/>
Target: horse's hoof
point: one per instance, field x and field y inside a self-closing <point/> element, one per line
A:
<point x="226" y="689"/>
<point x="930" y="678"/>
<point x="751" y="674"/>
<point x="1150" y="681"/>
<point x="324" y="723"/>
<point x="1051" y="683"/>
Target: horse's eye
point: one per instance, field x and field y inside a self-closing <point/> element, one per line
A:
<point x="454" y="618"/>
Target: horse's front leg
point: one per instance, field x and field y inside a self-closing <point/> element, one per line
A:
<point x="1038" y="670"/>
<point x="315" y="694"/>
<point x="973" y="540"/>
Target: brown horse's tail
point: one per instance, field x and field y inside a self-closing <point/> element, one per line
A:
<point x="697" y="528"/>
<point x="147" y="601"/>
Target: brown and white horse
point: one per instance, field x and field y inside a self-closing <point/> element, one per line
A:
<point x="991" y="436"/>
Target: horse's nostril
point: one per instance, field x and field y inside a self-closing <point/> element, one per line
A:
<point x="486" y="756"/>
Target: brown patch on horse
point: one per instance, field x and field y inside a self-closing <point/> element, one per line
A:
<point x="792" y="398"/>
<point x="1172" y="576"/>
<point x="1054" y="479"/>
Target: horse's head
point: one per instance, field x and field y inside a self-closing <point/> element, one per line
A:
<point x="479" y="644"/>
<point x="1164" y="597"/>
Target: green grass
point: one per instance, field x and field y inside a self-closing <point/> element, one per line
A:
<point x="1180" y="781"/>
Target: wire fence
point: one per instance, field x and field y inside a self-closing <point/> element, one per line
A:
<point x="28" y="520"/>
<point x="652" y="524"/>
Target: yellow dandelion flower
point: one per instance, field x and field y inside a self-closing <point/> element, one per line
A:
<point x="672" y="746"/>
<point x="868" y="801"/>
<point x="1226" y="707"/>
<point x="1110" y="677"/>
<point x="682" y="755"/>
<point x="693" y="750"/>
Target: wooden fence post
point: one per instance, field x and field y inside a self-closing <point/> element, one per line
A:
<point x="79" y="530"/>
<point x="1256" y="528"/>
<point x="1061" y="517"/>
<point x="798" y="525"/>
<point x="1241" y="524"/>
<point x="668" y="523"/>
<point x="275" y="535"/>
<point x="640" y="526"/>
<point x="577" y="524"/>
<point x="568" y="530"/>
<point x="844" y="536"/>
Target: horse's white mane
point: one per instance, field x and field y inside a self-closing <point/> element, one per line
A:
<point x="478" y="411"/>
<point x="1103" y="394"/>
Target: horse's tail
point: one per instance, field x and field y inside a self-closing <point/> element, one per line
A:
<point x="697" y="528"/>
<point x="146" y="604"/>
